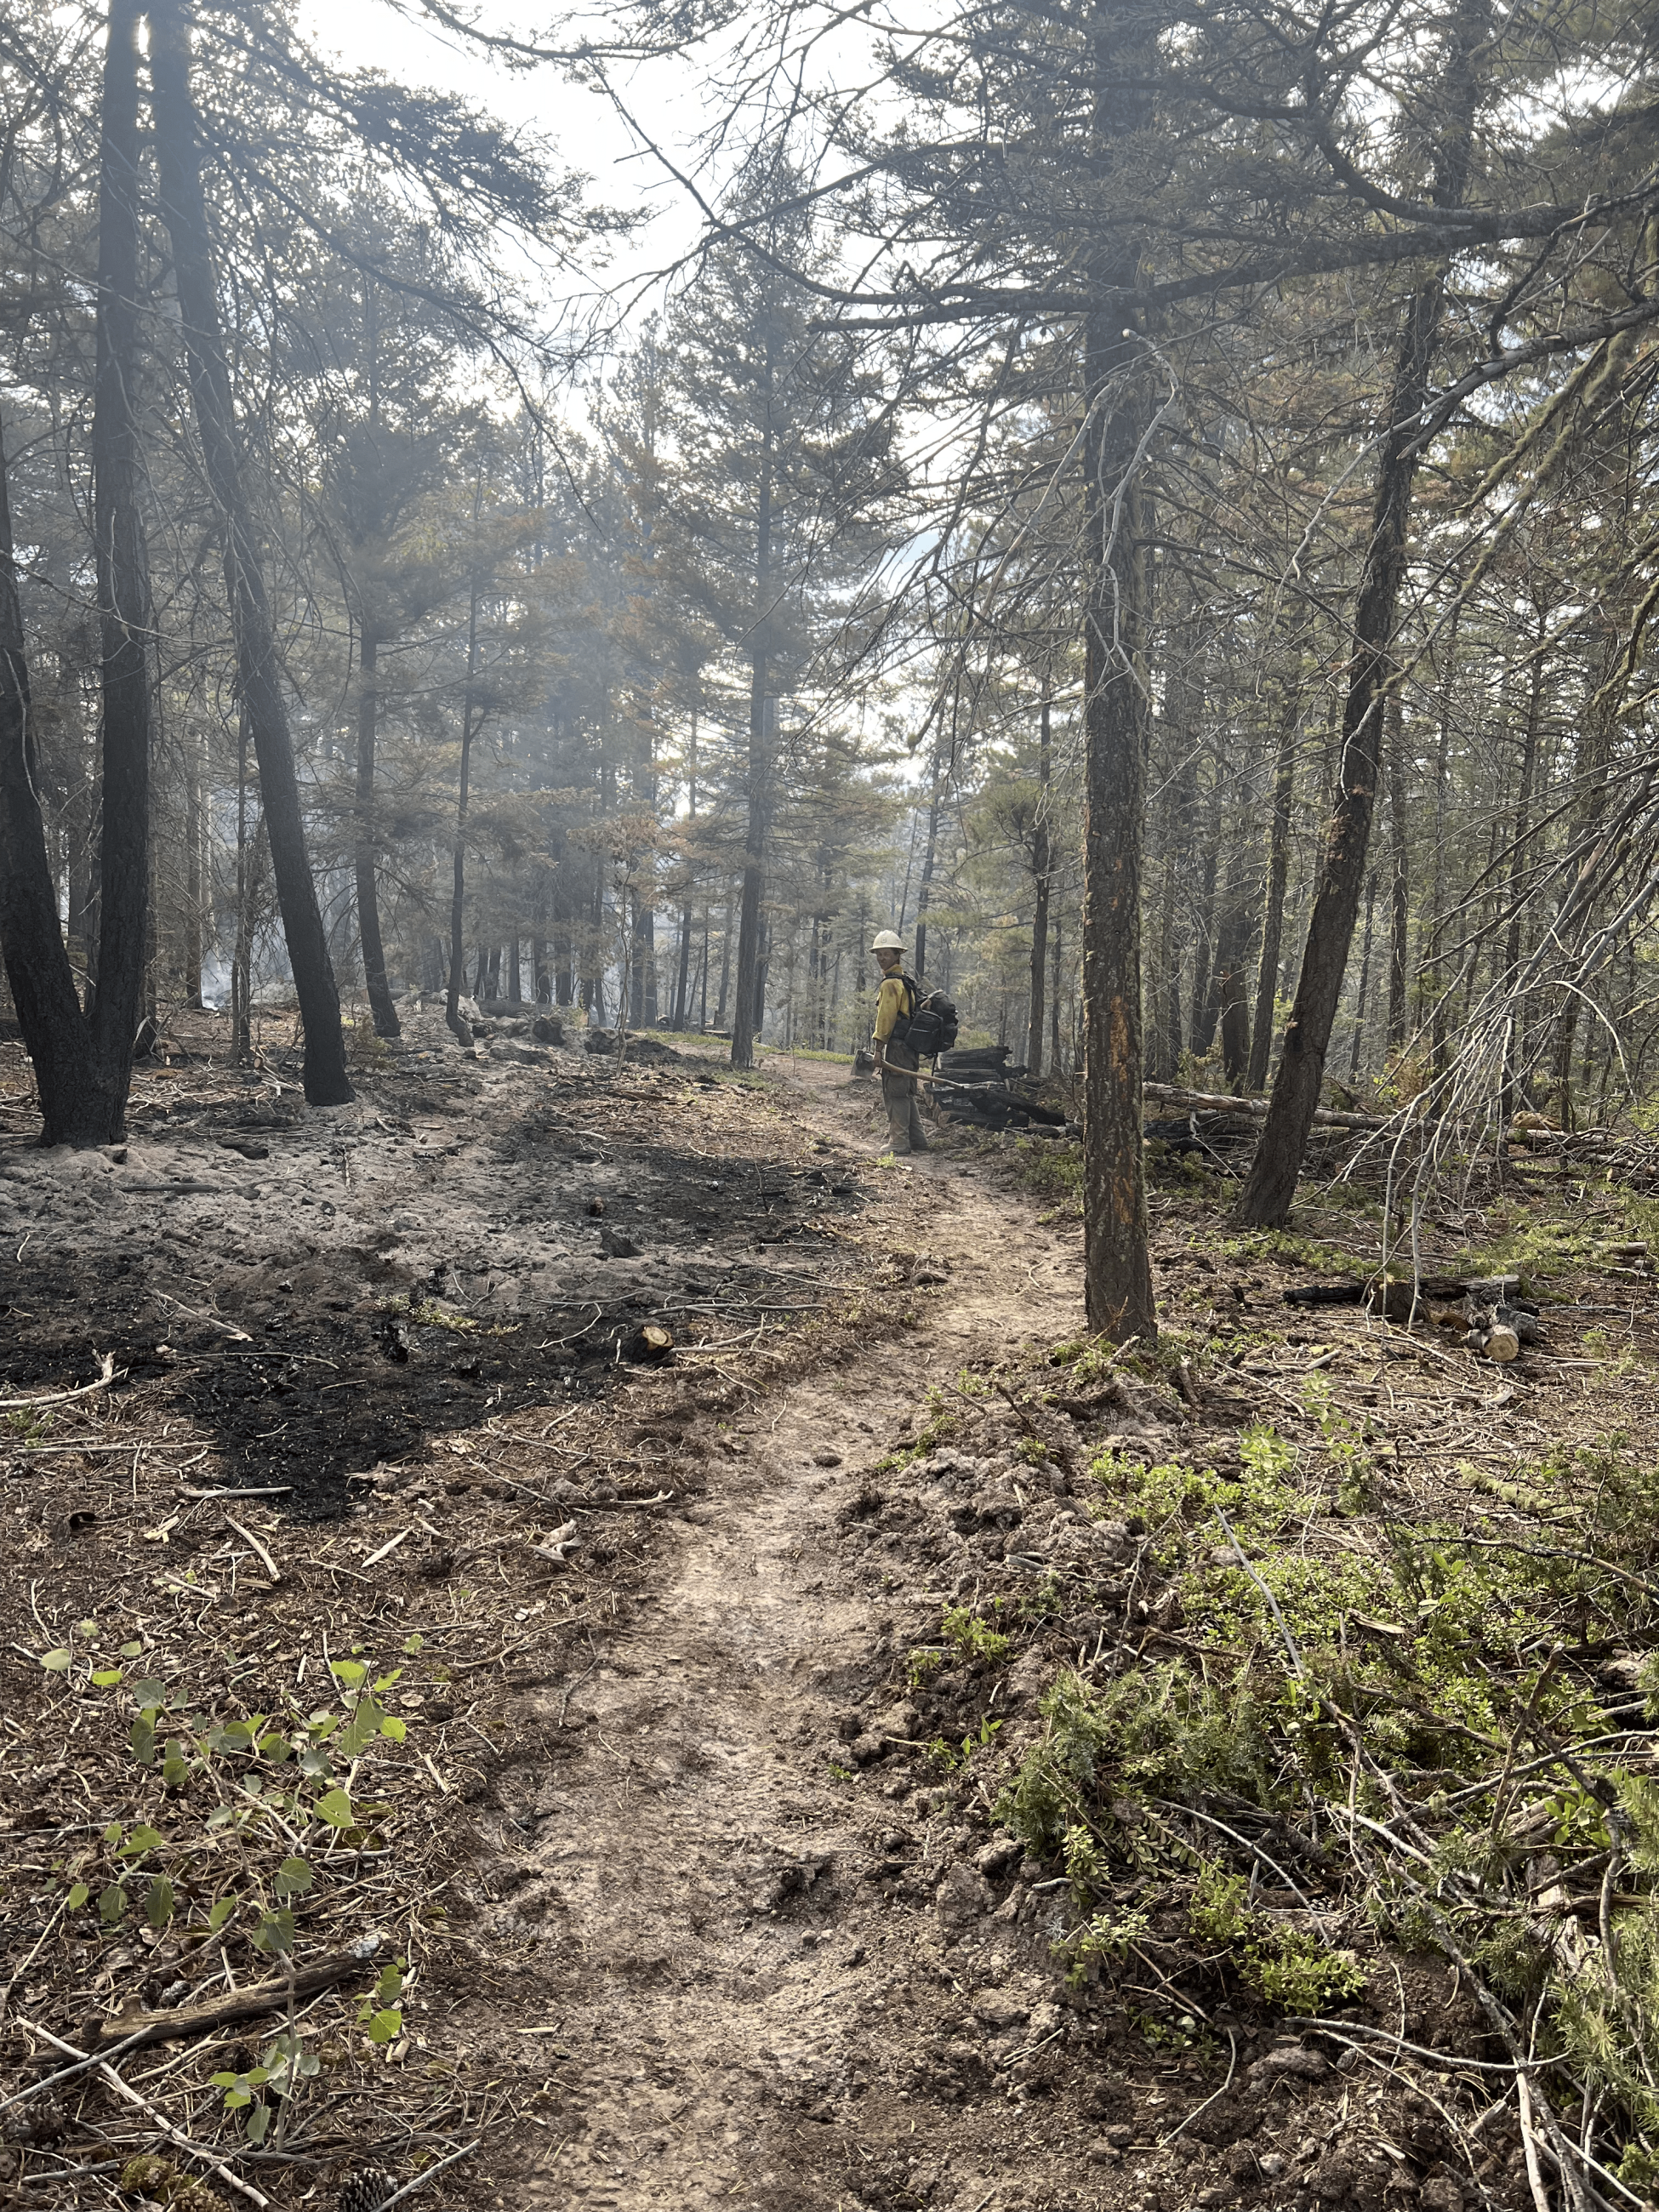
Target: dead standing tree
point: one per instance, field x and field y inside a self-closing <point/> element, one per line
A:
<point x="1270" y="1188"/>
<point x="259" y="675"/>
<point x="83" y="1064"/>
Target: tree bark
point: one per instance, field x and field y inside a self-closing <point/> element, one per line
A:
<point x="1355" y="1056"/>
<point x="184" y="210"/>
<point x="1399" y="876"/>
<point x="747" y="1010"/>
<point x="925" y="889"/>
<point x="195" y="871"/>
<point x="457" y="888"/>
<point x="1117" y="1267"/>
<point x="1270" y="1189"/>
<point x="380" y="1005"/>
<point x="37" y="959"/>
<point x="1278" y="871"/>
<point x="1040" y="862"/>
<point x="83" y="1066"/>
<point x="1271" y="1186"/>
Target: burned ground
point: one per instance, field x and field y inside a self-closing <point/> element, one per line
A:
<point x="782" y="1807"/>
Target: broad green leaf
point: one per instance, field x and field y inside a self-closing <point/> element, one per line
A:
<point x="390" y="1986"/>
<point x="150" y="1694"/>
<point x="113" y="1832"/>
<point x="220" y="1911"/>
<point x="143" y="1742"/>
<point x="257" y="2121"/>
<point x="334" y="1806"/>
<point x="131" y="1650"/>
<point x="293" y="1878"/>
<point x="384" y="2026"/>
<point x="141" y="1838"/>
<point x="274" y="1932"/>
<point x="348" y="1671"/>
<point x="111" y="1903"/>
<point x="414" y="1644"/>
<point x="394" y="1730"/>
<point x="55" y="1663"/>
<point x="276" y="1746"/>
<point x="388" y="1681"/>
<point x="158" y="1905"/>
<point x="78" y="1896"/>
<point x="106" y="1678"/>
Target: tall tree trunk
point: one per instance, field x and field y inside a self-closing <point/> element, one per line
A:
<point x="747" y="1008"/>
<point x="1040" y="909"/>
<point x="925" y="889"/>
<point x="457" y="885"/>
<point x="122" y="605"/>
<point x="1270" y="1188"/>
<point x="241" y="959"/>
<point x="1117" y="1267"/>
<point x="195" y="870"/>
<point x="1055" y="1030"/>
<point x="185" y="209"/>
<point x="1514" y="1055"/>
<point x="1278" y="872"/>
<point x="1357" y="1055"/>
<point x="380" y="1005"/>
<point x="1399" y="875"/>
<point x="37" y="959"/>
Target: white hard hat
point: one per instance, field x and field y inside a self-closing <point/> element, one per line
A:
<point x="888" y="940"/>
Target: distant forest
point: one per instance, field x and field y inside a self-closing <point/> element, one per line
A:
<point x="1156" y="505"/>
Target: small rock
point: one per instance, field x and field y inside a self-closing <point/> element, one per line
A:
<point x="1274" y="2163"/>
<point x="547" y="1029"/>
<point x="1102" y="2153"/>
<point x="595" y="1207"/>
<point x="867" y="1749"/>
<point x="1332" y="2179"/>
<point x="1119" y="2135"/>
<point x="1440" y="2194"/>
<point x="963" y="1896"/>
<point x="616" y="1246"/>
<point x="997" y="2008"/>
<point x="826" y="1459"/>
<point x="998" y="1855"/>
<point x="1292" y="2059"/>
<point x="1047" y="2020"/>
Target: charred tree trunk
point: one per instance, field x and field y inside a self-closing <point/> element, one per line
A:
<point x="1040" y="910"/>
<point x="925" y="889"/>
<point x="1117" y="1267"/>
<point x="380" y="1006"/>
<point x="1278" y="872"/>
<point x="747" y="1008"/>
<point x="1399" y="876"/>
<point x="185" y="209"/>
<point x="84" y="1068"/>
<point x="195" y="871"/>
<point x="1271" y="1186"/>
<point x="457" y="883"/>
<point x="37" y="960"/>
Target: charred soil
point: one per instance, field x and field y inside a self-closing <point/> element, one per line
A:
<point x="894" y="1752"/>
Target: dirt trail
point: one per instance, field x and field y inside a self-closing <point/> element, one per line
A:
<point x="734" y="1966"/>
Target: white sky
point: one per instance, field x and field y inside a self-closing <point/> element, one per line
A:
<point x="584" y="129"/>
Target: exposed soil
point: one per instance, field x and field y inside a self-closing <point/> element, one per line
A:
<point x="696" y="1912"/>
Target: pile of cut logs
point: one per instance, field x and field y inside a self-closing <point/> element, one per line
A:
<point x="1486" y="1313"/>
<point x="978" y="1087"/>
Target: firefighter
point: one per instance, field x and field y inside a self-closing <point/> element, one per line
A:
<point x="896" y="1063"/>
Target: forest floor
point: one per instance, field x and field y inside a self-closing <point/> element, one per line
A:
<point x="893" y="1753"/>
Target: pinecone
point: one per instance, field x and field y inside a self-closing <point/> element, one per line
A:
<point x="41" y="2121"/>
<point x="365" y="2190"/>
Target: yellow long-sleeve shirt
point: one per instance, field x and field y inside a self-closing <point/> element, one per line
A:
<point x="896" y="1001"/>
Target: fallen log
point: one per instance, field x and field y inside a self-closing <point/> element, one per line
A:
<point x="1219" y="1102"/>
<point x="136" y="2029"/>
